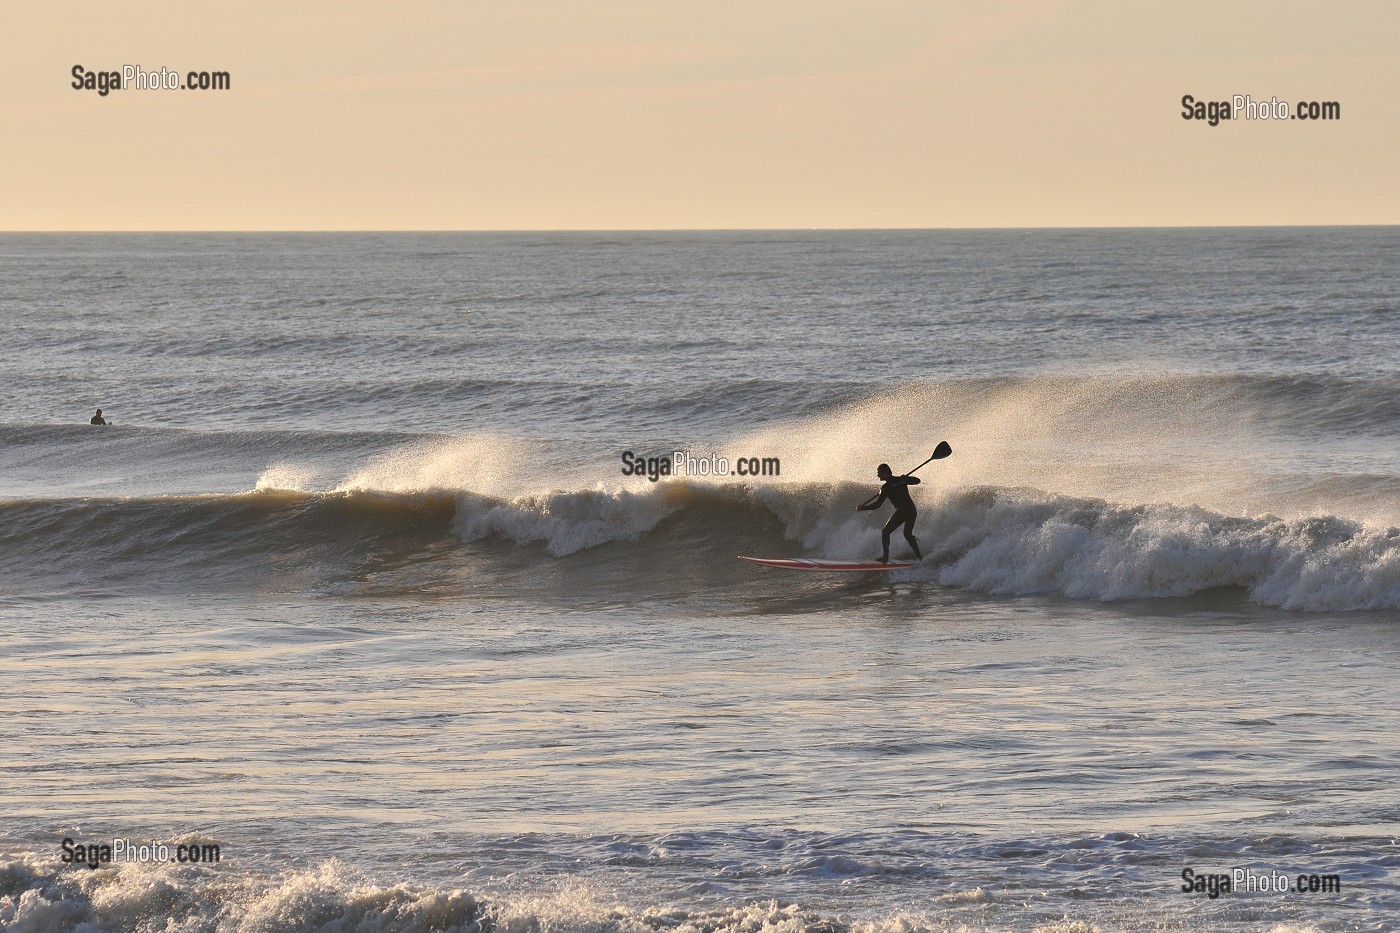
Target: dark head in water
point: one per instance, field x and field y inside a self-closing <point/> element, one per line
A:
<point x="883" y="471"/>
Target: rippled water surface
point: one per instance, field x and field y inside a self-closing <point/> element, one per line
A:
<point x="356" y="590"/>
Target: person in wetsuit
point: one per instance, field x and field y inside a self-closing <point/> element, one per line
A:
<point x="97" y="418"/>
<point x="896" y="489"/>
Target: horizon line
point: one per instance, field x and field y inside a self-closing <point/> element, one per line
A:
<point x="487" y="230"/>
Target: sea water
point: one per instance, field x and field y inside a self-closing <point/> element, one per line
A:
<point x="356" y="590"/>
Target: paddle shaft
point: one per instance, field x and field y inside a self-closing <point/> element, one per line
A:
<point x="910" y="473"/>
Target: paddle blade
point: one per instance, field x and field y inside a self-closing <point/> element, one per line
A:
<point x="942" y="450"/>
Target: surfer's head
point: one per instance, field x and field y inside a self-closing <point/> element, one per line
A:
<point x="883" y="471"/>
<point x="99" y="411"/>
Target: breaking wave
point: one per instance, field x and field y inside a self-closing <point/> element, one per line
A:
<point x="996" y="540"/>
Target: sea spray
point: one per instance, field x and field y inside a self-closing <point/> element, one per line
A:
<point x="986" y="539"/>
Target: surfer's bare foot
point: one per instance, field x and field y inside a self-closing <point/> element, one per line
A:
<point x="885" y="559"/>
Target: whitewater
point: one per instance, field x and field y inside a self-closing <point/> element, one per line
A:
<point x="356" y="586"/>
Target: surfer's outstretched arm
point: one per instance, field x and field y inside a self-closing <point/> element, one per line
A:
<point x="879" y="501"/>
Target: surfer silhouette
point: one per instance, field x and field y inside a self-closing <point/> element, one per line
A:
<point x="896" y="489"/>
<point x="98" y="419"/>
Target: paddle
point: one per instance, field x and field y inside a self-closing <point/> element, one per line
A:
<point x="943" y="449"/>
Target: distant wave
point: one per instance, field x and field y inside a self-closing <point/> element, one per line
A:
<point x="155" y="442"/>
<point x="1207" y="407"/>
<point x="1113" y="411"/>
<point x="985" y="539"/>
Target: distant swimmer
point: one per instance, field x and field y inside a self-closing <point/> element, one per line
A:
<point x="98" y="419"/>
<point x="896" y="489"/>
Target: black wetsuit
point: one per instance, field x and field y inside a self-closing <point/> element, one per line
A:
<point x="97" y="419"/>
<point x="896" y="489"/>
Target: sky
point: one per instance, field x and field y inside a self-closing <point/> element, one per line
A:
<point x="622" y="114"/>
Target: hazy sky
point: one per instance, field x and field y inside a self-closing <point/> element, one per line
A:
<point x="566" y="114"/>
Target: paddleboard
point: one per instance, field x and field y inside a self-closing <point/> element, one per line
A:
<point x="808" y="563"/>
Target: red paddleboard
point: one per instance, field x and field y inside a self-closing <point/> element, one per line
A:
<point x="808" y="563"/>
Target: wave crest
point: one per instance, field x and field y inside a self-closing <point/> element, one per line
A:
<point x="1025" y="542"/>
<point x="990" y="539"/>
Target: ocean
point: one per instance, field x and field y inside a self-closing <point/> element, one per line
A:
<point x="360" y="609"/>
